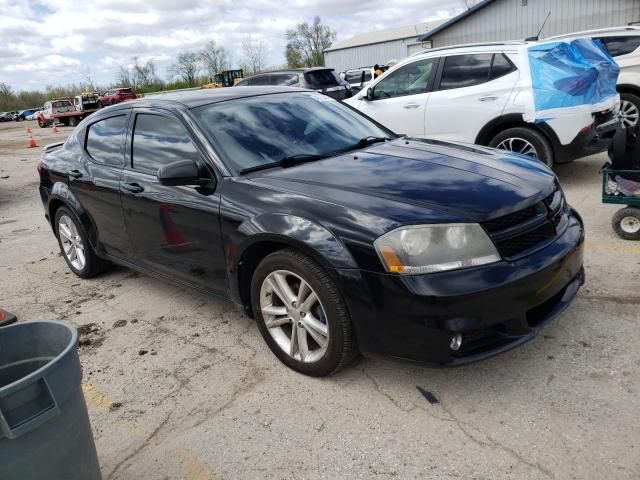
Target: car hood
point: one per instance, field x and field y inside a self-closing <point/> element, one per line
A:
<point x="460" y="182"/>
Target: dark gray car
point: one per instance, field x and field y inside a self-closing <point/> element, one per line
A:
<point x="321" y="79"/>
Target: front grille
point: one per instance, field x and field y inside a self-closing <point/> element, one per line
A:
<point x="533" y="227"/>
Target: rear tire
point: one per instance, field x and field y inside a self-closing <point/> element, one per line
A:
<point x="525" y="141"/>
<point x="322" y="321"/>
<point x="73" y="240"/>
<point x="626" y="223"/>
<point x="630" y="110"/>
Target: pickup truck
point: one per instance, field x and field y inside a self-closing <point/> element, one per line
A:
<point x="64" y="111"/>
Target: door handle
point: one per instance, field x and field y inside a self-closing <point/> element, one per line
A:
<point x="74" y="173"/>
<point x="489" y="98"/>
<point x="133" y="187"/>
<point x="411" y="105"/>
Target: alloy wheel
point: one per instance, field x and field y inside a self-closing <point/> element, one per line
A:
<point x="630" y="225"/>
<point x="629" y="113"/>
<point x="294" y="316"/>
<point x="72" y="244"/>
<point x="518" y="145"/>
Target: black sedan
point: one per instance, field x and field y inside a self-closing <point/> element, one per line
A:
<point x="335" y="234"/>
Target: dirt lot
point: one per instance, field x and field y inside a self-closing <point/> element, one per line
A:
<point x="180" y="385"/>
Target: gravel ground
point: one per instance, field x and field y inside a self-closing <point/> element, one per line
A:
<point x="181" y="386"/>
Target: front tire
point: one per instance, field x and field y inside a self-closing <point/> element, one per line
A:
<point x="525" y="141"/>
<point x="75" y="246"/>
<point x="301" y="314"/>
<point x="626" y="223"/>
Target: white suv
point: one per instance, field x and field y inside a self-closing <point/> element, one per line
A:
<point x="482" y="94"/>
<point x="623" y="44"/>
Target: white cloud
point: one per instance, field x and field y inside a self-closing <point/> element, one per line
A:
<point x="60" y="40"/>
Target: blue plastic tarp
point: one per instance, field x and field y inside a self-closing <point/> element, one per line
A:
<point x="571" y="74"/>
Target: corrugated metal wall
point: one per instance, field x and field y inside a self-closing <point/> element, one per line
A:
<point x="518" y="19"/>
<point x="367" y="55"/>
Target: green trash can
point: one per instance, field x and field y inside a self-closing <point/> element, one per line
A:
<point x="44" y="425"/>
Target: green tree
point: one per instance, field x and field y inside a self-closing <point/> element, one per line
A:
<point x="306" y="43"/>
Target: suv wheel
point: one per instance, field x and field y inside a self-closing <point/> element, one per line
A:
<point x="75" y="246"/>
<point x="525" y="141"/>
<point x="301" y="314"/>
<point x="630" y="109"/>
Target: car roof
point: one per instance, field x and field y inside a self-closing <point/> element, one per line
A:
<point x="205" y="96"/>
<point x="629" y="30"/>
<point x="472" y="46"/>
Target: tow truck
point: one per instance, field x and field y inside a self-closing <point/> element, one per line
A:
<point x="66" y="112"/>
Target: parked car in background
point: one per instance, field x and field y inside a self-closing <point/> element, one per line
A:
<point x="328" y="229"/>
<point x="475" y="94"/>
<point x="623" y="44"/>
<point x="320" y="79"/>
<point x="116" y="95"/>
<point x="33" y="115"/>
<point x="359" y="78"/>
<point x="23" y="114"/>
<point x="6" y="117"/>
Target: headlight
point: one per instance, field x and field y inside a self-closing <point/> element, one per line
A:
<point x="435" y="248"/>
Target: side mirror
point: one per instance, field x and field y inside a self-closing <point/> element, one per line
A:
<point x="181" y="172"/>
<point x="369" y="94"/>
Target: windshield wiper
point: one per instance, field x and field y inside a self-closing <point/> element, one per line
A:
<point x="291" y="160"/>
<point x="287" y="161"/>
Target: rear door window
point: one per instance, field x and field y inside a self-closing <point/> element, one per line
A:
<point x="461" y="71"/>
<point x="357" y="76"/>
<point x="617" y="46"/>
<point x="104" y="140"/>
<point x="159" y="140"/>
<point x="322" y="78"/>
<point x="501" y="66"/>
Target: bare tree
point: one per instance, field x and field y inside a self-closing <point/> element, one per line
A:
<point x="254" y="53"/>
<point x="144" y="72"/>
<point x="306" y="43"/>
<point x="214" y="59"/>
<point x="187" y="67"/>
<point x="125" y="78"/>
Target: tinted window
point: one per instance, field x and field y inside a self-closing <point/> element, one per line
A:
<point x="501" y="66"/>
<point x="465" y="70"/>
<point x="621" y="45"/>
<point x="283" y="79"/>
<point x="260" y="130"/>
<point x="159" y="140"/>
<point x="410" y="79"/>
<point x="124" y="90"/>
<point x="322" y="78"/>
<point x="259" y="80"/>
<point x="104" y="140"/>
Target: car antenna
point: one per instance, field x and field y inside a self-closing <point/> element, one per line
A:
<point x="537" y="37"/>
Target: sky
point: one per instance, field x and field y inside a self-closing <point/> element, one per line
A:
<point x="59" y="42"/>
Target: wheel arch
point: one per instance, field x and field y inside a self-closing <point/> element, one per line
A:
<point x="628" y="88"/>
<point x="271" y="233"/>
<point x="61" y="196"/>
<point x="512" y="120"/>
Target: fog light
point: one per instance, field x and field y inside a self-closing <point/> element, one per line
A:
<point x="456" y="342"/>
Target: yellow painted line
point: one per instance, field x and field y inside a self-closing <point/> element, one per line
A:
<point x="193" y="468"/>
<point x="96" y="398"/>
<point x="633" y="248"/>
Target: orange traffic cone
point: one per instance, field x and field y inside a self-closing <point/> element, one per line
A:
<point x="55" y="129"/>
<point x="32" y="142"/>
<point x="28" y="130"/>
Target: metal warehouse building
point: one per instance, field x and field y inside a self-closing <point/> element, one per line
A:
<point x="378" y="47"/>
<point x="497" y="20"/>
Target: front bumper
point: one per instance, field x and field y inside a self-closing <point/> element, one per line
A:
<point x="495" y="307"/>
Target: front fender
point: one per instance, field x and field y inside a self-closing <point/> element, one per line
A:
<point x="61" y="194"/>
<point x="317" y="240"/>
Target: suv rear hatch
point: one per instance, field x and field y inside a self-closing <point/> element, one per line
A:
<point x="126" y="93"/>
<point x="328" y="82"/>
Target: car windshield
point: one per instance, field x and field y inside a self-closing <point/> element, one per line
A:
<point x="261" y="130"/>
